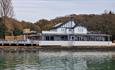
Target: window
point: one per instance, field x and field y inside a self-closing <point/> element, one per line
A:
<point x="47" y="37"/>
<point x="52" y="38"/>
<point x="80" y="29"/>
<point x="70" y="29"/>
<point x="64" y="38"/>
<point x="62" y="29"/>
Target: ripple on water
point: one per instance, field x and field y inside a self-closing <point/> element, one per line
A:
<point x="62" y="60"/>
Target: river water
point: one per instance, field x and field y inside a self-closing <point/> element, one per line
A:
<point x="58" y="60"/>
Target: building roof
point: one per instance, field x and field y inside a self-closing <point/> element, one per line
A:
<point x="71" y="24"/>
<point x="58" y="24"/>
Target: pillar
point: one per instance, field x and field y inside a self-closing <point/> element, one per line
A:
<point x="108" y="38"/>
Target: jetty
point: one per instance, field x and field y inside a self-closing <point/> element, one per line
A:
<point x="19" y="43"/>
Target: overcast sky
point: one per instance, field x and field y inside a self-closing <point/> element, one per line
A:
<point x="33" y="10"/>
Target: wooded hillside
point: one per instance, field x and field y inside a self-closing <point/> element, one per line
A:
<point x="104" y="23"/>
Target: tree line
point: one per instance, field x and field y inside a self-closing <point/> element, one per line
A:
<point x="94" y="22"/>
<point x="104" y="22"/>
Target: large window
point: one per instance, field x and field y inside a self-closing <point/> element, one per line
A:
<point x="64" y="38"/>
<point x="49" y="38"/>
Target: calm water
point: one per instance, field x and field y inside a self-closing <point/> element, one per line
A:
<point x="62" y="60"/>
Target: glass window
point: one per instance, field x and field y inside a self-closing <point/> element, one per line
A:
<point x="62" y="29"/>
<point x="70" y="29"/>
<point x="47" y="37"/>
<point x="80" y="29"/>
<point x="52" y="38"/>
<point x="64" y="38"/>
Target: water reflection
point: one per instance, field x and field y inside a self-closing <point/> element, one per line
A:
<point x="63" y="60"/>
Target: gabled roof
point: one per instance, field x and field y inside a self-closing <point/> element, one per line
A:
<point x="58" y="24"/>
<point x="71" y="27"/>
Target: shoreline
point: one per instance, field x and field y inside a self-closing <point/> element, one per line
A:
<point x="56" y="48"/>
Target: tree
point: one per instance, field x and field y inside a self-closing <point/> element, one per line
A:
<point x="43" y="24"/>
<point x="2" y="28"/>
<point x="6" y="8"/>
<point x="17" y="32"/>
<point x="6" y="11"/>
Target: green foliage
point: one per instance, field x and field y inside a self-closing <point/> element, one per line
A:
<point x="17" y="32"/>
<point x="104" y="22"/>
<point x="44" y="24"/>
<point x="2" y="29"/>
<point x="30" y="25"/>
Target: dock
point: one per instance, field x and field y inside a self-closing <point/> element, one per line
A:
<point x="19" y="43"/>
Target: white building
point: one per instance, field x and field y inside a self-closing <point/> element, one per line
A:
<point x="71" y="33"/>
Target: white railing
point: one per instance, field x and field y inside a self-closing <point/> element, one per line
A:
<point x="60" y="43"/>
<point x="75" y="43"/>
<point x="19" y="42"/>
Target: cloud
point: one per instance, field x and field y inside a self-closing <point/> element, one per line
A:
<point x="32" y="10"/>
